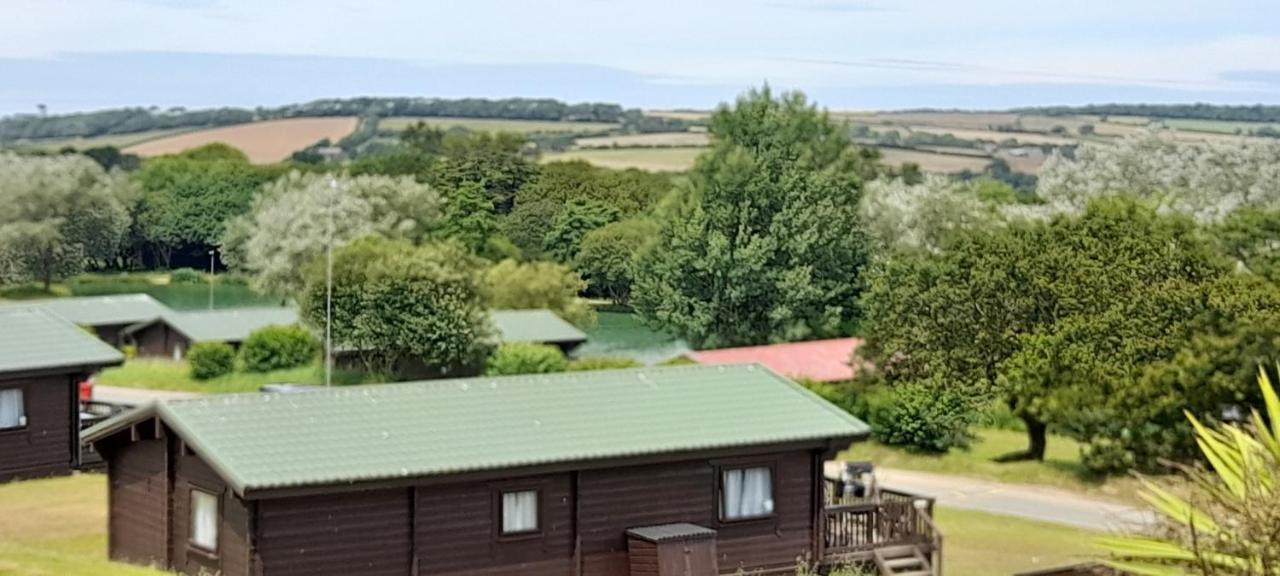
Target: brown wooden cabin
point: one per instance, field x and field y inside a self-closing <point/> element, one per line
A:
<point x="43" y="359"/>
<point x="586" y="473"/>
<point x="107" y="316"/>
<point x="172" y="334"/>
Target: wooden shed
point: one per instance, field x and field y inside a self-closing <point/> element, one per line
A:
<point x="43" y="358"/>
<point x="587" y="473"/>
<point x="171" y="335"/>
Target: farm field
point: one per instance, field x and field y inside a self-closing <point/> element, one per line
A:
<point x="57" y="527"/>
<point x="117" y="140"/>
<point x="932" y="162"/>
<point x="679" y="114"/>
<point x="655" y="159"/>
<point x="645" y="140"/>
<point x="1216" y="126"/>
<point x="264" y="142"/>
<point x="399" y="123"/>
<point x="996" y="136"/>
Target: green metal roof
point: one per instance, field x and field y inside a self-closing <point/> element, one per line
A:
<point x="387" y="431"/>
<point x="534" y="326"/>
<point x="32" y="338"/>
<point x="228" y="325"/>
<point x="103" y="310"/>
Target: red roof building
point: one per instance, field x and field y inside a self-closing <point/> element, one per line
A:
<point x="820" y="360"/>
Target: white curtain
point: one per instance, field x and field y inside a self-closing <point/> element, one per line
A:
<point x="204" y="520"/>
<point x="12" y="412"/>
<point x="519" y="511"/>
<point x="747" y="493"/>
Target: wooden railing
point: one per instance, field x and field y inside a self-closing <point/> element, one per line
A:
<point x="854" y="525"/>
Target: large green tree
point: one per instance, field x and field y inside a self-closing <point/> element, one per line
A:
<point x="496" y="161"/>
<point x="607" y="257"/>
<point x="512" y="285"/>
<point x="768" y="244"/>
<point x="397" y="305"/>
<point x="188" y="198"/>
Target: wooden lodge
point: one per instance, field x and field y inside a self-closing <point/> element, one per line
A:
<point x="689" y="470"/>
<point x="43" y="359"/>
<point x="108" y="316"/>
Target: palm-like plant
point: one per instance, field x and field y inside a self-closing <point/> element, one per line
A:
<point x="1230" y="523"/>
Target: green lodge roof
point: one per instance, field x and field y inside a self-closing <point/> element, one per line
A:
<point x="388" y="431"/>
<point x="103" y="310"/>
<point x="542" y="326"/>
<point x="227" y="325"/>
<point x="32" y="338"/>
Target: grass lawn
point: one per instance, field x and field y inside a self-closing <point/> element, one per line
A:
<point x="1061" y="467"/>
<point x="981" y="544"/>
<point x="58" y="527"/>
<point x="157" y="374"/>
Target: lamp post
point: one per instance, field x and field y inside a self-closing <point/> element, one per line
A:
<point x="328" y="288"/>
<point x="211" y="253"/>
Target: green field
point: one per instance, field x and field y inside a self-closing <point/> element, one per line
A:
<point x="117" y="140"/>
<point x="1216" y="126"/>
<point x="398" y="123"/>
<point x="163" y="374"/>
<point x="653" y="159"/>
<point x="1061" y="468"/>
<point x="57" y="527"/>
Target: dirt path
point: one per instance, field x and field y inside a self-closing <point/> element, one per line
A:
<point x="1025" y="501"/>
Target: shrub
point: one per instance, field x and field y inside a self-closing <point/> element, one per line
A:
<point x="211" y="360"/>
<point x="130" y="351"/>
<point x="185" y="276"/>
<point x="526" y="358"/>
<point x="278" y="347"/>
<point x="929" y="417"/>
<point x="680" y="360"/>
<point x="603" y="363"/>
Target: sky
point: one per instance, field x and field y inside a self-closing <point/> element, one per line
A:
<point x="73" y="55"/>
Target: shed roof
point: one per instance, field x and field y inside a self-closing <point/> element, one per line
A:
<point x="672" y="532"/>
<point x="821" y="360"/>
<point x="381" y="432"/>
<point x="35" y="339"/>
<point x="535" y="326"/>
<point x="103" y="310"/>
<point x="227" y="325"/>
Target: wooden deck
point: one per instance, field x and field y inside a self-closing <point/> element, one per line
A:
<point x="854" y="528"/>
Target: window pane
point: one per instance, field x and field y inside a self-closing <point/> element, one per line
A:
<point x="519" y="511"/>
<point x="12" y="412"/>
<point x="204" y="520"/>
<point x="746" y="493"/>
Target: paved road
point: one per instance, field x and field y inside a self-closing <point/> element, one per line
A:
<point x="1034" y="502"/>
<point x="135" y="396"/>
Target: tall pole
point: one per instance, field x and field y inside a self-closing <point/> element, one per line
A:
<point x="328" y="290"/>
<point x="211" y="252"/>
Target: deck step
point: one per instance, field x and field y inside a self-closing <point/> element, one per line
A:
<point x="902" y="561"/>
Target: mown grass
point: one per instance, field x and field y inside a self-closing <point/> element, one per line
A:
<point x="159" y="374"/>
<point x="57" y="527"/>
<point x="981" y="544"/>
<point x="1061" y="467"/>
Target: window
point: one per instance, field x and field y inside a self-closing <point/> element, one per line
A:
<point x="204" y="520"/>
<point x="13" y="413"/>
<point x="520" y="512"/>
<point x="746" y="493"/>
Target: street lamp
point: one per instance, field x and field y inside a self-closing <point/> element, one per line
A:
<point x="211" y="253"/>
<point x="328" y="289"/>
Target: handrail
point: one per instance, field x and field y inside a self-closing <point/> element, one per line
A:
<point x="935" y="556"/>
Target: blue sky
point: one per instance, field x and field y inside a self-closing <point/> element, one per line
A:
<point x="847" y="54"/>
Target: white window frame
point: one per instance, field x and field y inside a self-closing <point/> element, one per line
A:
<point x="508" y="500"/>
<point x="204" y="542"/>
<point x="21" y="396"/>
<point x="759" y="495"/>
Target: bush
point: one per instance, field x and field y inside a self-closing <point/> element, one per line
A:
<point x="929" y="417"/>
<point x="526" y="358"/>
<point x="185" y="276"/>
<point x="278" y="347"/>
<point x="603" y="363"/>
<point x="211" y="360"/>
<point x="130" y="351"/>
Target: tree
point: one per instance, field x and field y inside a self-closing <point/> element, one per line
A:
<point x="527" y="226"/>
<point x="396" y="304"/>
<point x="1054" y="317"/>
<point x="903" y="216"/>
<point x="187" y="199"/>
<point x="607" y="257"/>
<point x="289" y="225"/>
<point x="573" y="222"/>
<point x="469" y="218"/>
<point x="561" y="183"/>
<point x="63" y="213"/>
<point x="511" y="285"/>
<point x="1226" y="525"/>
<point x="768" y="245"/>
<point x="493" y="160"/>
<point x="1250" y="236"/>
